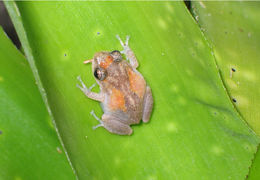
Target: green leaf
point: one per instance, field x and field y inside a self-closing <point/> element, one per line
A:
<point x="233" y="29"/>
<point x="194" y="133"/>
<point x="29" y="146"/>
<point x="255" y="168"/>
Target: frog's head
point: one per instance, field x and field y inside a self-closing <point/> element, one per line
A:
<point x="102" y="61"/>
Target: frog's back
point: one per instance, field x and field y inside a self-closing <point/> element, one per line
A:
<point x="126" y="91"/>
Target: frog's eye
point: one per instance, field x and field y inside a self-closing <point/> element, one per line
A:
<point x="116" y="55"/>
<point x="100" y="73"/>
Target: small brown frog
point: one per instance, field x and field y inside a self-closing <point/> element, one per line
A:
<point x="124" y="95"/>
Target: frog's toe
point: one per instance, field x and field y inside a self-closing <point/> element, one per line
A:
<point x="127" y="39"/>
<point x="79" y="86"/>
<point x="82" y="84"/>
<point x="99" y="120"/>
<point x="97" y="126"/>
<point x="91" y="87"/>
<point x="124" y="45"/>
<point x="95" y="116"/>
<point x="120" y="40"/>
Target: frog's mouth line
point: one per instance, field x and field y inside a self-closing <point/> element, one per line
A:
<point x="88" y="61"/>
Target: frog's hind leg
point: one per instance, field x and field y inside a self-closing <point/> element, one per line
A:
<point x="114" y="125"/>
<point x="148" y="105"/>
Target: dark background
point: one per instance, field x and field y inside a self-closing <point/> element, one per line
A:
<point x="7" y="25"/>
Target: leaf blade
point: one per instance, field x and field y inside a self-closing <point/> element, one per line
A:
<point x="203" y="123"/>
<point x="28" y="142"/>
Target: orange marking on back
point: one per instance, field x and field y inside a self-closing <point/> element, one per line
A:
<point x="117" y="100"/>
<point x="137" y="83"/>
<point x="107" y="62"/>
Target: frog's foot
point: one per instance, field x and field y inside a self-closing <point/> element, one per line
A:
<point x="83" y="87"/>
<point x="87" y="91"/>
<point x="124" y="45"/>
<point x="128" y="52"/>
<point x="97" y="118"/>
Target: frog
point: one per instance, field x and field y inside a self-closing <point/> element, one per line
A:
<point x="125" y="97"/>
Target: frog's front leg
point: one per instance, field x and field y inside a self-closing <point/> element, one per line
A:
<point x="128" y="52"/>
<point x="87" y="91"/>
<point x="148" y="105"/>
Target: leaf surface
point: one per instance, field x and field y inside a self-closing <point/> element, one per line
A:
<point x="233" y="29"/>
<point x="28" y="143"/>
<point x="194" y="131"/>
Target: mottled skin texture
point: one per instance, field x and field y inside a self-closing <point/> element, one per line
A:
<point x="124" y="94"/>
